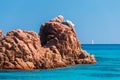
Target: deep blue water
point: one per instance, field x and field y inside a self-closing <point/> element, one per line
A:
<point x="106" y="68"/>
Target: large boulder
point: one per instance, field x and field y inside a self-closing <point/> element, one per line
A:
<point x="62" y="36"/>
<point x="56" y="46"/>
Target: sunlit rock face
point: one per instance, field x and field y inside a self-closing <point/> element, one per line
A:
<point x="56" y="45"/>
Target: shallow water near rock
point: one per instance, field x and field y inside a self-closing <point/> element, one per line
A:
<point x="107" y="67"/>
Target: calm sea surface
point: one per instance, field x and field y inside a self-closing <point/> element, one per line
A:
<point x="106" y="68"/>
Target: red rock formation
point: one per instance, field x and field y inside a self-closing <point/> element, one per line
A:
<point x="56" y="46"/>
<point x="22" y="50"/>
<point x="57" y="36"/>
<point x="0" y="35"/>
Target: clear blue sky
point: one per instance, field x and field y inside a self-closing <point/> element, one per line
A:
<point x="97" y="20"/>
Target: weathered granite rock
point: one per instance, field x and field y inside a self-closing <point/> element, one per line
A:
<point x="55" y="46"/>
<point x="59" y="18"/>
<point x="0" y="35"/>
<point x="57" y="36"/>
<point x="23" y="51"/>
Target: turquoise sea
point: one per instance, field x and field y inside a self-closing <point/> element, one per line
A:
<point x="106" y="68"/>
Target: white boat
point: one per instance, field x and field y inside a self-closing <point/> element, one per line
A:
<point x="92" y="41"/>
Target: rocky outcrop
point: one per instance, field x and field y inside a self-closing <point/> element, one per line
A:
<point x="55" y="46"/>
<point x="22" y="50"/>
<point x="0" y="35"/>
<point x="59" y="19"/>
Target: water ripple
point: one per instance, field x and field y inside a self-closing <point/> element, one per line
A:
<point x="101" y="75"/>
